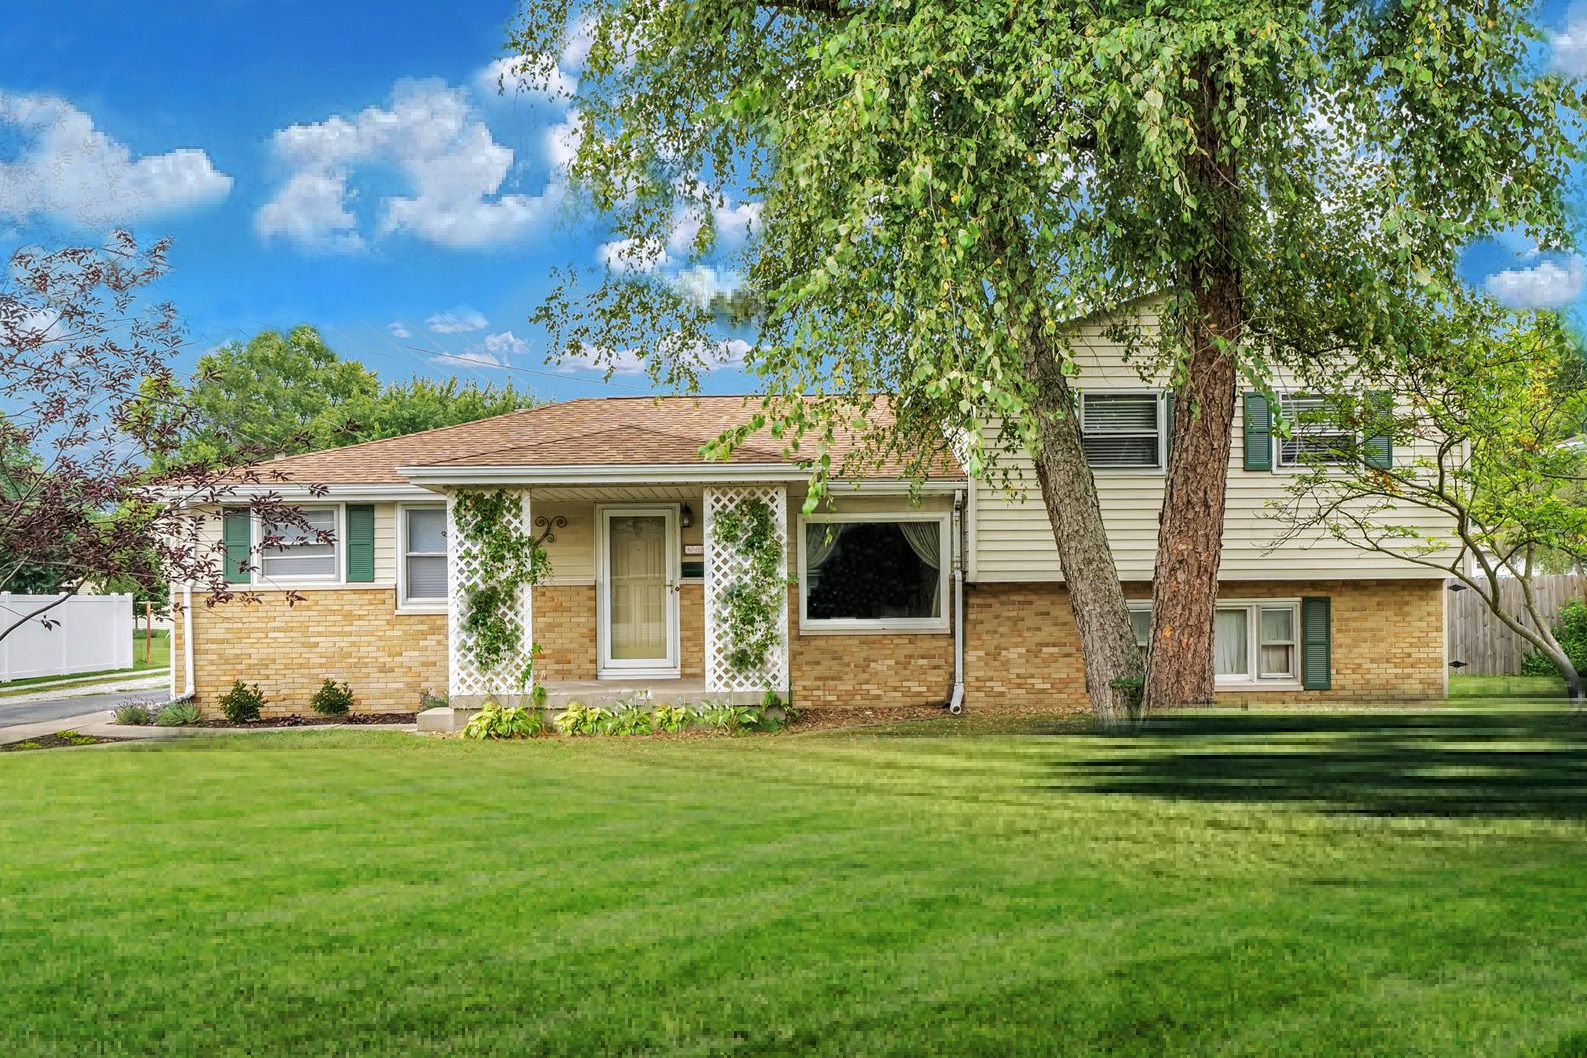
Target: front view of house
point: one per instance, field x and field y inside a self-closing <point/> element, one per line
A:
<point x="881" y="598"/>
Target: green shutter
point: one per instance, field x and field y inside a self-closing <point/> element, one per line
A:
<point x="1378" y="445"/>
<point x="1168" y="422"/>
<point x="1258" y="432"/>
<point x="237" y="533"/>
<point x="360" y="543"/>
<point x="1316" y="650"/>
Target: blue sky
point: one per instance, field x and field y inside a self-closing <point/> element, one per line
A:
<point x="352" y="166"/>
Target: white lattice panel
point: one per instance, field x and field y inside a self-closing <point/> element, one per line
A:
<point x="725" y="567"/>
<point x="467" y="677"/>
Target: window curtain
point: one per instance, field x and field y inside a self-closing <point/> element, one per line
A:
<point x="1229" y="643"/>
<point x="821" y="539"/>
<point x="925" y="539"/>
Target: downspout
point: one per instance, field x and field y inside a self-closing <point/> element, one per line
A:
<point x="187" y="635"/>
<point x="956" y="703"/>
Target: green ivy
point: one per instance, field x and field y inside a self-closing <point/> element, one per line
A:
<point x="508" y="560"/>
<point x="749" y="608"/>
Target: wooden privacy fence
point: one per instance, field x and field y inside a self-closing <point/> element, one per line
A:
<point x="1476" y="636"/>
<point x="86" y="633"/>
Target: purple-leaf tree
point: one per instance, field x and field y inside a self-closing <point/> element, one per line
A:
<point x="88" y="402"/>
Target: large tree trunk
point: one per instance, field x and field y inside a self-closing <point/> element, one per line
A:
<point x="1107" y="642"/>
<point x="1179" y="668"/>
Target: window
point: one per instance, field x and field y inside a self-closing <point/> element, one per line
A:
<point x="868" y="574"/>
<point x="424" y="555"/>
<point x="1122" y="429"/>
<point x="300" y="554"/>
<point x="1262" y="633"/>
<point x="1316" y="436"/>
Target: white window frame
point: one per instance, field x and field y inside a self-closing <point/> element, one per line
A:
<point x="1162" y="430"/>
<point x="1253" y="677"/>
<point x="404" y="603"/>
<point x="1279" y="462"/>
<point x="339" y="535"/>
<point x="852" y="626"/>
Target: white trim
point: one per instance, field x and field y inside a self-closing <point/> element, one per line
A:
<point x="400" y="550"/>
<point x="321" y="493"/>
<point x="649" y="474"/>
<point x="916" y="625"/>
<point x="606" y="667"/>
<point x="1277" y="442"/>
<point x="972" y="548"/>
<point x="338" y="549"/>
<point x="1162" y="430"/>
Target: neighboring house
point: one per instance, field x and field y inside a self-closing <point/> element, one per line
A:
<point x="625" y="507"/>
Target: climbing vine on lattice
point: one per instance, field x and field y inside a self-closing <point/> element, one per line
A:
<point x="749" y="609"/>
<point x="507" y="560"/>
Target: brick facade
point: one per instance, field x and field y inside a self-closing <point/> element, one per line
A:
<point x="868" y="670"/>
<point x="564" y="626"/>
<point x="1021" y="646"/>
<point x="351" y="635"/>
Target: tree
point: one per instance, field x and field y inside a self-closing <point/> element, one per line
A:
<point x="1488" y="462"/>
<point x="945" y="187"/>
<point x="89" y="401"/>
<point x="291" y="393"/>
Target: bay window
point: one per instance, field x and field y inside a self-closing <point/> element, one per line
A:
<point x="873" y="573"/>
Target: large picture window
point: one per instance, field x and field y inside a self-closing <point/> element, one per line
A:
<point x="1252" y="642"/>
<point x="864" y="574"/>
<point x="300" y="554"/>
<point x="424" y="555"/>
<point x="1122" y="430"/>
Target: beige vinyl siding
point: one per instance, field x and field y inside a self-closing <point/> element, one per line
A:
<point x="1013" y="539"/>
<point x="386" y="543"/>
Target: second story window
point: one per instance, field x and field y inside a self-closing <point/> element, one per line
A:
<point x="1122" y="430"/>
<point x="1316" y="435"/>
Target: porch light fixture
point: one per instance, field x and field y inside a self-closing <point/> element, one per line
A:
<point x="686" y="516"/>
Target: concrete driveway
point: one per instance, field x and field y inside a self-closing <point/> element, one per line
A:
<point x="34" y="711"/>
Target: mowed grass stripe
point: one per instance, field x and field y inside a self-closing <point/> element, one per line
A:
<point x="889" y="893"/>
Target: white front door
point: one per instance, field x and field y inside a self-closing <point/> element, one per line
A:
<point x="637" y="593"/>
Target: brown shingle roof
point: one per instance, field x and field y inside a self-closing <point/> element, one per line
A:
<point x="604" y="431"/>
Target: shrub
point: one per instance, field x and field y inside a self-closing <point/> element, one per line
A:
<point x="493" y="721"/>
<point x="672" y="718"/>
<point x="1571" y="634"/>
<point x="176" y="714"/>
<point x="631" y="718"/>
<point x="333" y="699"/>
<point x="580" y="719"/>
<point x="242" y="703"/>
<point x="134" y="713"/>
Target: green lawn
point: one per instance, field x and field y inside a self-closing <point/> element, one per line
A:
<point x="1506" y="686"/>
<point x="1325" y="884"/>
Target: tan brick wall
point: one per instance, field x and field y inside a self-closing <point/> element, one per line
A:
<point x="1021" y="647"/>
<point x="351" y="635"/>
<point x="855" y="670"/>
<point x="564" y="626"/>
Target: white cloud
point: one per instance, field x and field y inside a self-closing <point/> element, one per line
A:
<point x="398" y="329"/>
<point x="69" y="169"/>
<point x="736" y="224"/>
<point x="594" y="358"/>
<point x="702" y="283"/>
<point x="468" y="358"/>
<point x="430" y="134"/>
<point x="1546" y="285"/>
<point x="1570" y="47"/>
<point x="562" y="142"/>
<point x="507" y="79"/>
<point x="577" y="49"/>
<point x="506" y="343"/>
<point x="629" y="256"/>
<point x="458" y="320"/>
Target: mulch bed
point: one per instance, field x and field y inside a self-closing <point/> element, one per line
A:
<point x="314" y="720"/>
<point x="60" y="740"/>
<point x="828" y="719"/>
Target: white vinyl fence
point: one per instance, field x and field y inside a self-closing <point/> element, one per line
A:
<point x="86" y="633"/>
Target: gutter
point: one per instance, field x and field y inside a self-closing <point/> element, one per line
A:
<point x="956" y="703"/>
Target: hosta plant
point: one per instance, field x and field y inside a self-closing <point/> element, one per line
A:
<point x="631" y="718"/>
<point x="494" y="721"/>
<point x="672" y="718"/>
<point x="580" y="719"/>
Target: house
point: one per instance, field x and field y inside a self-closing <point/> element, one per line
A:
<point x="882" y="598"/>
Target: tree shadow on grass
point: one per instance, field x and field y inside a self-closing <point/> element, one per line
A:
<point x="1453" y="765"/>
